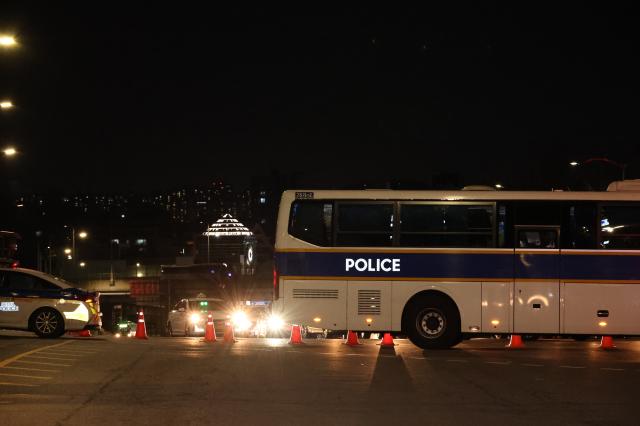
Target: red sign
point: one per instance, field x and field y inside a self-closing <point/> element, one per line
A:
<point x="144" y="288"/>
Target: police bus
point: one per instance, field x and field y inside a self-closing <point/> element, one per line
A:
<point x="439" y="266"/>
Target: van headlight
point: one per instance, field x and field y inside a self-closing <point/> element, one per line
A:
<point x="240" y="321"/>
<point x="195" y="318"/>
<point x="275" y="322"/>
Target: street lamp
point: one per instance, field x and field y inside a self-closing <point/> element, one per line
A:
<point x="4" y="105"/>
<point x="7" y="40"/>
<point x="9" y="151"/>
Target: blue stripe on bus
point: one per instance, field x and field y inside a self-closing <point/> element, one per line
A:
<point x="411" y="265"/>
<point x="599" y="267"/>
<point x="464" y="265"/>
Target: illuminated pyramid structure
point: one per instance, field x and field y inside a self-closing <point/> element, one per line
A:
<point x="227" y="240"/>
<point x="227" y="226"/>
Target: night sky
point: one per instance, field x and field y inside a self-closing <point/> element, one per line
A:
<point x="114" y="98"/>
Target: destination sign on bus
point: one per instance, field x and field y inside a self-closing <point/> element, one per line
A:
<point x="372" y="265"/>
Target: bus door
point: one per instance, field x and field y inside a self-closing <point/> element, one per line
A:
<point x="536" y="305"/>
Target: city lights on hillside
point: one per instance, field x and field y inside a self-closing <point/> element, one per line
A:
<point x="7" y="40"/>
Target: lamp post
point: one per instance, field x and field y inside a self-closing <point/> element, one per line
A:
<point x="82" y="235"/>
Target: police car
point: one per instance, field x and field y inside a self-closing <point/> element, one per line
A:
<point x="48" y="306"/>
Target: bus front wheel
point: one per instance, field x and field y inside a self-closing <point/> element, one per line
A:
<point x="432" y="321"/>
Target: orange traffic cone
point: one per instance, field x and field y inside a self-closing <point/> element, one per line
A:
<point x="352" y="339"/>
<point x="606" y="343"/>
<point x="228" y="334"/>
<point x="515" y="342"/>
<point x="210" y="330"/>
<point x="387" y="341"/>
<point x="296" y="336"/>
<point x="141" y="329"/>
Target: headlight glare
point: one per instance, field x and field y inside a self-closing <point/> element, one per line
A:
<point x="240" y="320"/>
<point x="275" y="322"/>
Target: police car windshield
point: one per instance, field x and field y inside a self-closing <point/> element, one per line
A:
<point x="206" y="305"/>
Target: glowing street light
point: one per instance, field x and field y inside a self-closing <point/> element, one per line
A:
<point x="7" y="40"/>
<point x="67" y="251"/>
<point x="82" y="264"/>
<point x="82" y="235"/>
<point x="498" y="186"/>
<point x="9" y="151"/>
<point x="6" y="104"/>
<point x="574" y="164"/>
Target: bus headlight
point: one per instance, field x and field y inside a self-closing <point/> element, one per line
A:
<point x="275" y="322"/>
<point x="195" y="318"/>
<point x="240" y="321"/>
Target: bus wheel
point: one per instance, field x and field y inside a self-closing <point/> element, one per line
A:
<point x="432" y="322"/>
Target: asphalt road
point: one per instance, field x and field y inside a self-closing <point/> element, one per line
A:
<point x="185" y="381"/>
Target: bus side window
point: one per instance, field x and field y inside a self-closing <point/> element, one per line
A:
<point x="504" y="225"/>
<point x="620" y="227"/>
<point x="466" y="225"/>
<point x="365" y="224"/>
<point x="312" y="221"/>
<point x="579" y="226"/>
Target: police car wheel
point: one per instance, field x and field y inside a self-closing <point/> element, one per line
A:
<point x="432" y="321"/>
<point x="47" y="323"/>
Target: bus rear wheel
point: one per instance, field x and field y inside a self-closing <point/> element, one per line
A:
<point x="432" y="322"/>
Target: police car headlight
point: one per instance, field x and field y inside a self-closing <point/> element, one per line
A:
<point x="275" y="322"/>
<point x="240" y="321"/>
<point x="195" y="318"/>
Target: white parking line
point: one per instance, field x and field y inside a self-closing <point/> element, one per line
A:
<point x="43" y="363"/>
<point x="47" y="357"/>
<point x="612" y="369"/>
<point x="17" y="357"/>
<point x="24" y="375"/>
<point x="18" y="384"/>
<point x="60" y="354"/>
<point x="32" y="369"/>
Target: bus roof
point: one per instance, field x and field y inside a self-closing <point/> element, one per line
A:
<point x="447" y="195"/>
